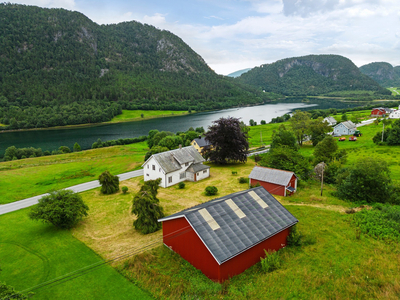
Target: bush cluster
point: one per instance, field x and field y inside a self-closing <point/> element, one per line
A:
<point x="271" y="262"/>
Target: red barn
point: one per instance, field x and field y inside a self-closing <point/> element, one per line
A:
<point x="277" y="182"/>
<point x="380" y="112"/>
<point x="225" y="236"/>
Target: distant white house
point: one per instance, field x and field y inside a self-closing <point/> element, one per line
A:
<point x="395" y="114"/>
<point x="176" y="166"/>
<point x="330" y="120"/>
<point x="345" y="128"/>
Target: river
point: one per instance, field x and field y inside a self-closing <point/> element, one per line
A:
<point x="52" y="139"/>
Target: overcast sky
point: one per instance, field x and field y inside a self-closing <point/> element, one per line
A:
<point x="236" y="34"/>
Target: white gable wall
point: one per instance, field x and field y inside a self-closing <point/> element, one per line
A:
<point x="150" y="174"/>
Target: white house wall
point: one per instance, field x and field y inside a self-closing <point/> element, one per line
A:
<point x="202" y="174"/>
<point x="150" y="174"/>
<point x="395" y="115"/>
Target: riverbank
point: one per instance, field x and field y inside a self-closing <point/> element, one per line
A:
<point x="126" y="116"/>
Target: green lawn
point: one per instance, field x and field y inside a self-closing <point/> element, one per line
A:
<point x="34" y="176"/>
<point x="32" y="253"/>
<point x="136" y="115"/>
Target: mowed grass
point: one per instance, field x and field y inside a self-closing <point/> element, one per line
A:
<point x="35" y="176"/>
<point x="32" y="253"/>
<point x="338" y="266"/>
<point x="108" y="229"/>
<point x="136" y="115"/>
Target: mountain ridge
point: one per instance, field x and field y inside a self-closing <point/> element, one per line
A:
<point x="383" y="73"/>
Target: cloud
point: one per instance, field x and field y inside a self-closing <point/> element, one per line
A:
<point x="214" y="17"/>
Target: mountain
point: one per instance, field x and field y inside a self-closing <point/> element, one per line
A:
<point x="238" y="73"/>
<point x="383" y="73"/>
<point x="57" y="67"/>
<point x="309" y="75"/>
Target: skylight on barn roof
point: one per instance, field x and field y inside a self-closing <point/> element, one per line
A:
<point x="209" y="219"/>
<point x="235" y="208"/>
<point x="258" y="199"/>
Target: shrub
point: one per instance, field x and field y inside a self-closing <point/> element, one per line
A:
<point x="64" y="209"/>
<point x="109" y="183"/>
<point x="124" y="189"/>
<point x="64" y="149"/>
<point x="234" y="172"/>
<point x="211" y="191"/>
<point x="77" y="147"/>
<point x="294" y="238"/>
<point x="243" y="180"/>
<point x="181" y="185"/>
<point x="271" y="262"/>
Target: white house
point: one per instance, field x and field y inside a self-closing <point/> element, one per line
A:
<point x="330" y="120"/>
<point x="176" y="166"/>
<point x="344" y="128"/>
<point x="395" y="114"/>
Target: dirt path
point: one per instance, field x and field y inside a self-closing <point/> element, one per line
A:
<point x="338" y="208"/>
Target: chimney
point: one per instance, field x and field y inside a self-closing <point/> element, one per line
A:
<point x="180" y="146"/>
<point x="200" y="135"/>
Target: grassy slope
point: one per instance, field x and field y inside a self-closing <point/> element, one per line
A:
<point x="32" y="253"/>
<point x="30" y="177"/>
<point x="395" y="91"/>
<point x="135" y="115"/>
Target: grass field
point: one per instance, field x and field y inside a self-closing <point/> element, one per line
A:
<point x="32" y="253"/>
<point x="395" y="90"/>
<point x="338" y="266"/>
<point x="34" y="176"/>
<point x="136" y="115"/>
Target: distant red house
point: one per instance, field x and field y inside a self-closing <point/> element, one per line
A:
<point x="277" y="182"/>
<point x="225" y="236"/>
<point x="380" y="112"/>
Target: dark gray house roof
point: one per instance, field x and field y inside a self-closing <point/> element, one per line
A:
<point x="275" y="176"/>
<point x="197" y="168"/>
<point x="202" y="142"/>
<point x="331" y="120"/>
<point x="172" y="160"/>
<point x="234" y="223"/>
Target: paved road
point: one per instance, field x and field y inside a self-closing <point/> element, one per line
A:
<point x="6" y="208"/>
<point x="258" y="152"/>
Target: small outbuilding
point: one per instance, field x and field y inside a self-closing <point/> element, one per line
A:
<point x="175" y="166"/>
<point x="277" y="182"/>
<point x="345" y="128"/>
<point x="395" y="114"/>
<point x="225" y="236"/>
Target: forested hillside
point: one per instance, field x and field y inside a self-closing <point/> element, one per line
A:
<point x="310" y="75"/>
<point x="383" y="73"/>
<point x="57" y="67"/>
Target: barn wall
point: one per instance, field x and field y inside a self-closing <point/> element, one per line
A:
<point x="292" y="183"/>
<point x="179" y="235"/>
<point x="270" y="187"/>
<point x="245" y="260"/>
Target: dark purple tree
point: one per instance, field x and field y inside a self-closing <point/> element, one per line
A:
<point x="229" y="141"/>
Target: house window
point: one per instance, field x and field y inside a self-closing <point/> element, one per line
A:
<point x="154" y="167"/>
<point x="205" y="171"/>
<point x="197" y="174"/>
<point x="169" y="179"/>
<point x="147" y="174"/>
<point x="148" y="167"/>
<point x="159" y="170"/>
<point x="182" y="175"/>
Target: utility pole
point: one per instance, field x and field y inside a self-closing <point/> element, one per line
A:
<point x="260" y="139"/>
<point x="383" y="122"/>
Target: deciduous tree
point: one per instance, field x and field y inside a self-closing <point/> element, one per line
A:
<point x="300" y="122"/>
<point x="229" y="141"/>
<point x="63" y="209"/>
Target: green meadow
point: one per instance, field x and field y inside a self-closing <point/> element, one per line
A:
<point x="32" y="253"/>
<point x="136" y="115"/>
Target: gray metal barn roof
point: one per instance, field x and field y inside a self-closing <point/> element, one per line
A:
<point x="172" y="160"/>
<point x="234" y="223"/>
<point x="275" y="176"/>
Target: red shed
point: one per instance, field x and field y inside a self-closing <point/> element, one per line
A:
<point x="225" y="236"/>
<point x="277" y="182"/>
